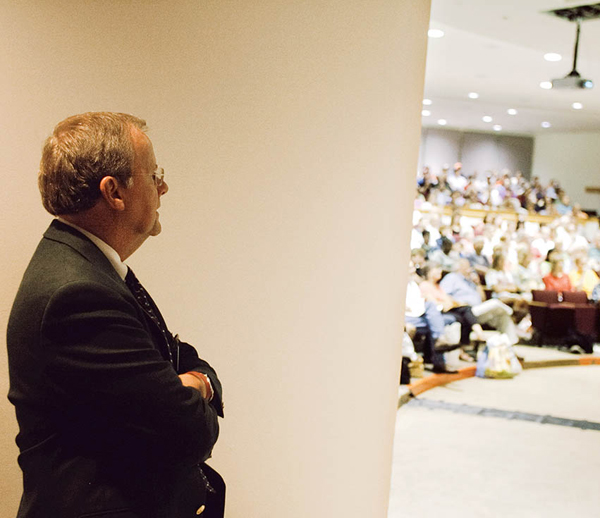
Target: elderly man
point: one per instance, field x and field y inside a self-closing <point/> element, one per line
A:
<point x="117" y="416"/>
<point x="463" y="286"/>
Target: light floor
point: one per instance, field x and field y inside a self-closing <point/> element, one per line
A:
<point x="450" y="463"/>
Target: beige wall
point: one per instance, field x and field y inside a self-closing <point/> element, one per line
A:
<point x="573" y="159"/>
<point x="289" y="131"/>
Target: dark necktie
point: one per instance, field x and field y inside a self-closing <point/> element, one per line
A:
<point x="151" y="310"/>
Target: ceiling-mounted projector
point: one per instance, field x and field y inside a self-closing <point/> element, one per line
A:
<point x="573" y="80"/>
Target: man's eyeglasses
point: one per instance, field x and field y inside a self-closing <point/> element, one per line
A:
<point x="158" y="176"/>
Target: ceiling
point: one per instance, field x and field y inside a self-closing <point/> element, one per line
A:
<point x="496" y="48"/>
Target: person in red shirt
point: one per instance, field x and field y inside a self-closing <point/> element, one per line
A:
<point x="557" y="279"/>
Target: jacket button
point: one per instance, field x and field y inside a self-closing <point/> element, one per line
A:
<point x="200" y="509"/>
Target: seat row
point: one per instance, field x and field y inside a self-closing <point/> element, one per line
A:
<point x="565" y="318"/>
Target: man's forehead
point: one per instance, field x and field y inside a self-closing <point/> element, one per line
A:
<point x="139" y="137"/>
<point x="142" y="145"/>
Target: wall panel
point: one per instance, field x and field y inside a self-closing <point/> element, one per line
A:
<point x="574" y="160"/>
<point x="477" y="151"/>
<point x="289" y="133"/>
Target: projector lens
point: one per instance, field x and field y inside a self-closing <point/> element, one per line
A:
<point x="588" y="84"/>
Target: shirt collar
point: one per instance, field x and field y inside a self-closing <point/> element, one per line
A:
<point x="110" y="253"/>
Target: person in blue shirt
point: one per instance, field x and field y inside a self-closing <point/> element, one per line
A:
<point x="464" y="286"/>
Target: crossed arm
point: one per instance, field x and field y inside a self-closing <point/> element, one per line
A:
<point x="102" y="372"/>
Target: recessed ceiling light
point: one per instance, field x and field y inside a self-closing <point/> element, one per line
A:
<point x="487" y="118"/>
<point x="473" y="95"/>
<point x="546" y="85"/>
<point x="435" y="33"/>
<point x="511" y="111"/>
<point x="427" y="102"/>
<point x="552" y="56"/>
<point x="577" y="106"/>
<point x="497" y="127"/>
<point x="442" y="122"/>
<point x="425" y="113"/>
<point x="546" y="124"/>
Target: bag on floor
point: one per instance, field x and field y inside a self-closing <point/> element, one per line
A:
<point x="498" y="359"/>
<point x="452" y="333"/>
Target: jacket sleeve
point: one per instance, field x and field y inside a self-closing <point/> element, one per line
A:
<point x="189" y="361"/>
<point x="111" y="386"/>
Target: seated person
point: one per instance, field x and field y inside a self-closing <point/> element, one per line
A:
<point x="582" y="277"/>
<point x="594" y="249"/>
<point x="445" y="256"/>
<point x="479" y="261"/>
<point x="554" y="254"/>
<point x="451" y="309"/>
<point x="427" y="245"/>
<point x="501" y="281"/>
<point x="425" y="317"/>
<point x="464" y="286"/>
<point x="563" y="205"/>
<point x="557" y="279"/>
<point x="525" y="274"/>
<point x="418" y="259"/>
<point x="504" y="288"/>
<point x="596" y="293"/>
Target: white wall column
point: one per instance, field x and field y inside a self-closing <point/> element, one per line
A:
<point x="289" y="132"/>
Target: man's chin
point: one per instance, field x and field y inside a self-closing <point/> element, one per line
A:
<point x="156" y="229"/>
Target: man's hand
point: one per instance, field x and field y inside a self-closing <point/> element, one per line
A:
<point x="189" y="380"/>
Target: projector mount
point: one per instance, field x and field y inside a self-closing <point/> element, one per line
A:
<point x="576" y="14"/>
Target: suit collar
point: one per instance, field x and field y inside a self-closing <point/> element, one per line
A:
<point x="63" y="233"/>
<point x="110" y="253"/>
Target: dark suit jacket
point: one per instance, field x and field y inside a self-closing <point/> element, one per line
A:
<point x="106" y="426"/>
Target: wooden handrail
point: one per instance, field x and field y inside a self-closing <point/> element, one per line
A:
<point x="505" y="214"/>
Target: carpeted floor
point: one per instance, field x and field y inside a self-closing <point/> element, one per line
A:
<point x="452" y="459"/>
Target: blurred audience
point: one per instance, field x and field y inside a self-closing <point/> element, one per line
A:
<point x="481" y="269"/>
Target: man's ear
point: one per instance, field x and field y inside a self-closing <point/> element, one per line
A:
<point x="112" y="192"/>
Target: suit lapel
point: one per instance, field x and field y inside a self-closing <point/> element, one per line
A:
<point x="69" y="236"/>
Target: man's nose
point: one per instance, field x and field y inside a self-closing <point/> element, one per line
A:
<point x="163" y="189"/>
